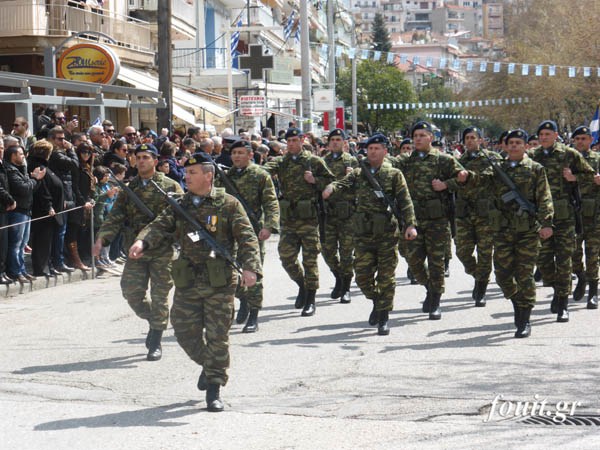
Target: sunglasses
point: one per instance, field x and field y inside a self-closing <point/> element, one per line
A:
<point x="18" y="124"/>
<point x="110" y="131"/>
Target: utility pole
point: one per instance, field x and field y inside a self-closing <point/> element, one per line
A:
<point x="165" y="64"/>
<point x="354" y="87"/>
<point x="331" y="43"/>
<point x="305" y="68"/>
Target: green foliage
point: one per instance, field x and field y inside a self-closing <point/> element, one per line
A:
<point x="380" y="36"/>
<point x="377" y="83"/>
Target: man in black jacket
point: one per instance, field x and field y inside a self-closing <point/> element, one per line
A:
<point x="7" y="203"/>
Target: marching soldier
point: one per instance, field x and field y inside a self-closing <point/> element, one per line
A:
<point x="430" y="174"/>
<point x="518" y="223"/>
<point x="255" y="187"/>
<point x="565" y="167"/>
<point x="127" y="215"/>
<point x="472" y="211"/>
<point x="205" y="284"/>
<point x="590" y="199"/>
<point x="376" y="230"/>
<point x="302" y="177"/>
<point x="337" y="242"/>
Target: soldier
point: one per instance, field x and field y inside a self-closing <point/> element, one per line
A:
<point x="517" y="232"/>
<point x="472" y="210"/>
<point x="337" y="239"/>
<point x="154" y="267"/>
<point x="376" y="229"/>
<point x="205" y="284"/>
<point x="301" y="177"/>
<point x="406" y="147"/>
<point x="564" y="167"/>
<point x="427" y="172"/>
<point x="590" y="198"/>
<point x="256" y="188"/>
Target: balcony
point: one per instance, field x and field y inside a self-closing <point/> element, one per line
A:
<point x="35" y="18"/>
<point x="182" y="18"/>
<point x="197" y="60"/>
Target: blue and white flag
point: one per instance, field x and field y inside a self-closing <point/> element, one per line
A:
<point x="98" y="121"/>
<point x="289" y="26"/>
<point x="235" y="38"/>
<point x="595" y="125"/>
<point x="297" y="36"/>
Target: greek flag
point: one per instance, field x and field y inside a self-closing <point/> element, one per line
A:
<point x="287" y="30"/>
<point x="98" y="120"/>
<point x="595" y="125"/>
<point x="235" y="38"/>
<point x="297" y="37"/>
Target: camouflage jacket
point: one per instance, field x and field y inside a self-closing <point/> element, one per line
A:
<point x="588" y="188"/>
<point x="479" y="164"/>
<point x="338" y="167"/>
<point x="394" y="185"/>
<point x="126" y="217"/>
<point x="256" y="187"/>
<point x="560" y="157"/>
<point x="224" y="218"/>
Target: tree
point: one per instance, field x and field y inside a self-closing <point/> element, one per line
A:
<point x="377" y="83"/>
<point x="380" y="36"/>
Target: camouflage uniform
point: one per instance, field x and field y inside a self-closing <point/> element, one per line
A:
<point x="202" y="309"/>
<point x="376" y="231"/>
<point x="431" y="210"/>
<point x="299" y="223"/>
<point x="127" y="217"/>
<point x="257" y="189"/>
<point x="555" y="258"/>
<point x="337" y="242"/>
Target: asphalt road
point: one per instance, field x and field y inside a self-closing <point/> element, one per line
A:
<point x="73" y="374"/>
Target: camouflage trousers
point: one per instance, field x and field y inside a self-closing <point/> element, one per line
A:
<point x="338" y="246"/>
<point x="515" y="255"/>
<point x="134" y="284"/>
<point x="301" y="235"/>
<point x="375" y="264"/>
<point x="201" y="318"/>
<point x="474" y="232"/>
<point x="590" y="241"/>
<point x="555" y="258"/>
<point x="254" y="294"/>
<point x="425" y="255"/>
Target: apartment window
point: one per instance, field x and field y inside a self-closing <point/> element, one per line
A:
<point x="374" y="4"/>
<point x="424" y="5"/>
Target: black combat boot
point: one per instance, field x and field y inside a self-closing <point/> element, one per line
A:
<point x="345" y="296"/>
<point x="427" y="303"/>
<point x="411" y="277"/>
<point x="435" y="312"/>
<point x="202" y="381"/>
<point x="148" y="337"/>
<point x="337" y="289"/>
<point x="301" y="297"/>
<point x="242" y="313"/>
<point x="373" y="315"/>
<point x="579" y="291"/>
<point x="446" y="268"/>
<point x="383" y="329"/>
<point x="592" y="301"/>
<point x="563" y="309"/>
<point x="481" y="287"/>
<point x="252" y="324"/>
<point x="213" y="398"/>
<point x="154" y="347"/>
<point x="554" y="303"/>
<point x="309" y="307"/>
<point x="516" y="311"/>
<point x="537" y="275"/>
<point x="523" y="325"/>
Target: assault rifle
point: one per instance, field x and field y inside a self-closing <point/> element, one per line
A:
<point x="575" y="199"/>
<point x="321" y="213"/>
<point x="216" y="248"/>
<point x="233" y="190"/>
<point x="513" y="194"/>
<point x="133" y="197"/>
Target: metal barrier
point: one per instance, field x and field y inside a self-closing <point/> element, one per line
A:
<point x="195" y="59"/>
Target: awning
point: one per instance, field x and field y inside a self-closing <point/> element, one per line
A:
<point x="181" y="97"/>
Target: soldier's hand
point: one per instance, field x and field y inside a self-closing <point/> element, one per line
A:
<point x="264" y="234"/>
<point x="309" y="178"/>
<point x="597" y="179"/>
<point x="569" y="175"/>
<point x="136" y="251"/>
<point x="327" y="192"/>
<point x="438" y="185"/>
<point x="248" y="278"/>
<point x="410" y="234"/>
<point x="462" y="176"/>
<point x="97" y="247"/>
<point x="546" y="232"/>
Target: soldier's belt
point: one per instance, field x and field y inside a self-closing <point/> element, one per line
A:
<point x="300" y="209"/>
<point x="430" y="209"/>
<point x="340" y="209"/>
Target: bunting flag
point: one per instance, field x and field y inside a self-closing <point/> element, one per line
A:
<point x="442" y="105"/>
<point x="289" y="26"/>
<point x="595" y="125"/>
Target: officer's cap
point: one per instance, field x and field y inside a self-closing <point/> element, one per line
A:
<point x="231" y="139"/>
<point x="547" y="125"/>
<point x="502" y="137"/>
<point x="533" y="137"/>
<point x="338" y="132"/>
<point x="147" y="148"/>
<point x="291" y="132"/>
<point x="422" y="125"/>
<point x="582" y="130"/>
<point x="468" y="130"/>
<point x="377" y="139"/>
<point x="406" y="141"/>
<point x="517" y="134"/>
<point x="199" y="158"/>
<point x="437" y="144"/>
<point x="240" y="144"/>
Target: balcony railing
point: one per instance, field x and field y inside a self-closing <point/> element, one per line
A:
<point x="199" y="59"/>
<point x="36" y="18"/>
<point x="179" y="8"/>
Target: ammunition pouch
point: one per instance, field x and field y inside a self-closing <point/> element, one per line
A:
<point x="483" y="207"/>
<point x="285" y="209"/>
<point x="302" y="209"/>
<point x="340" y="210"/>
<point x="522" y="223"/>
<point x="373" y="224"/>
<point x="462" y="208"/>
<point x="219" y="273"/>
<point x="562" y="209"/>
<point x="430" y="209"/>
<point x="496" y="220"/>
<point x="588" y="207"/>
<point x="183" y="273"/>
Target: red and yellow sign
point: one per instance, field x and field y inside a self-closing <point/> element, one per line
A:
<point x="93" y="63"/>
